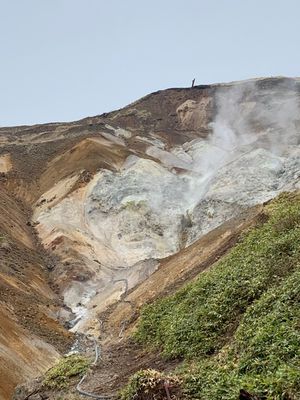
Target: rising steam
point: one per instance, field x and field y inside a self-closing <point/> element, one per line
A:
<point x="247" y="118"/>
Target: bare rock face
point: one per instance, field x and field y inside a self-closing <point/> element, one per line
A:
<point x="5" y="163"/>
<point x="195" y="115"/>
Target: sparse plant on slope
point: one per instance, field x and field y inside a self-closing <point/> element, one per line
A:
<point x="133" y="205"/>
<point x="4" y="243"/>
<point x="150" y="384"/>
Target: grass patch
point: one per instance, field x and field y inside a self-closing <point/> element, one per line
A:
<point x="238" y="325"/>
<point x="58" y="377"/>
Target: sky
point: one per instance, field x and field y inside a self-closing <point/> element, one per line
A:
<point x="62" y="60"/>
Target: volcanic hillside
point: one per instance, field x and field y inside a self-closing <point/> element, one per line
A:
<point x="103" y="215"/>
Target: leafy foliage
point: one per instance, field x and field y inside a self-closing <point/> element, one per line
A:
<point x="264" y="357"/>
<point x="67" y="367"/>
<point x="238" y="325"/>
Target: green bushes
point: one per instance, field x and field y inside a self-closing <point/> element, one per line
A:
<point x="199" y="319"/>
<point x="238" y="325"/>
<point x="67" y="367"/>
<point x="264" y="355"/>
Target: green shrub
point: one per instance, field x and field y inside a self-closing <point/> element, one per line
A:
<point x="67" y="367"/>
<point x="150" y="384"/>
<point x="264" y="355"/>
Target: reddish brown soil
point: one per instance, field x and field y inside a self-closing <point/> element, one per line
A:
<point x="27" y="302"/>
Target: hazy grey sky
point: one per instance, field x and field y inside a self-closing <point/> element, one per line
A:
<point x="62" y="60"/>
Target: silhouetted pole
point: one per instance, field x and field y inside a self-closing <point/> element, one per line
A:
<point x="193" y="82"/>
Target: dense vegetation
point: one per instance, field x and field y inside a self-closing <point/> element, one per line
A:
<point x="238" y="326"/>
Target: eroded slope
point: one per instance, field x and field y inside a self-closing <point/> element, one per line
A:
<point x="30" y="335"/>
<point x="113" y="195"/>
<point x="154" y="192"/>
